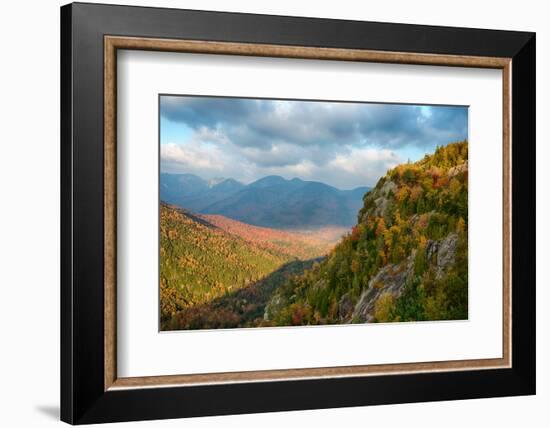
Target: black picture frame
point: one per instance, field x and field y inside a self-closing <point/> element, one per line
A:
<point x="83" y="398"/>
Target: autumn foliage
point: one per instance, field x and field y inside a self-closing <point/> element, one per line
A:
<point x="205" y="257"/>
<point x="414" y="205"/>
<point x="220" y="273"/>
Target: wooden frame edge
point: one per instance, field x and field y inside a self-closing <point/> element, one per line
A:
<point x="507" y="213"/>
<point x="301" y="52"/>
<point x="112" y="43"/>
<point x="299" y="374"/>
<point x="110" y="213"/>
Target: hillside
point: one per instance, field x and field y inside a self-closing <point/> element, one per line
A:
<point x="296" y="244"/>
<point x="205" y="257"/>
<point x="237" y="309"/>
<point x="271" y="201"/>
<point x="406" y="259"/>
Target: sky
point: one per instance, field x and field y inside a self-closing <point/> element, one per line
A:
<point x="345" y="145"/>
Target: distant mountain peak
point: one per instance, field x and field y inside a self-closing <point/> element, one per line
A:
<point x="271" y="201"/>
<point x="215" y="181"/>
<point x="269" y="180"/>
<point x="228" y="185"/>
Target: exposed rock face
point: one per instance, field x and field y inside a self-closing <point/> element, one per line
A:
<point x="455" y="170"/>
<point x="345" y="307"/>
<point x="393" y="278"/>
<point x="442" y="253"/>
<point x="389" y="186"/>
<point x="390" y="279"/>
<point x="382" y="200"/>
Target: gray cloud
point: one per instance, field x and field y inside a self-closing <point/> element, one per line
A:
<point x="263" y="123"/>
<point x="304" y="136"/>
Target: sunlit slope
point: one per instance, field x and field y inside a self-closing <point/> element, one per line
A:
<point x="406" y="259"/>
<point x="205" y="257"/>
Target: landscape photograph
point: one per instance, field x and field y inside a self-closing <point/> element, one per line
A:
<point x="279" y="213"/>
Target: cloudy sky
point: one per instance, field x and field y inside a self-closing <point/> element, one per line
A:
<point x="342" y="144"/>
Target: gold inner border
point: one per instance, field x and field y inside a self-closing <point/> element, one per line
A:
<point x="113" y="43"/>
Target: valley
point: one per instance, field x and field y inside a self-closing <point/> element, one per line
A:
<point x="205" y="257"/>
<point x="280" y="252"/>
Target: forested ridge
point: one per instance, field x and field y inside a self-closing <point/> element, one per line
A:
<point x="205" y="257"/>
<point x="405" y="260"/>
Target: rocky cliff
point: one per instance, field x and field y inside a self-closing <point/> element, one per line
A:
<point x="406" y="259"/>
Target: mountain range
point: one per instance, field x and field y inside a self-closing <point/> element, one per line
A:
<point x="405" y="259"/>
<point x="271" y="201"/>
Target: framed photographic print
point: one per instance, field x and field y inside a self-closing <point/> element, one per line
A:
<point x="265" y="213"/>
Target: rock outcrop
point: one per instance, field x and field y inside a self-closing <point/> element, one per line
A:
<point x="392" y="278"/>
<point x="382" y="200"/>
<point x="406" y="259"/>
<point x="455" y="170"/>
